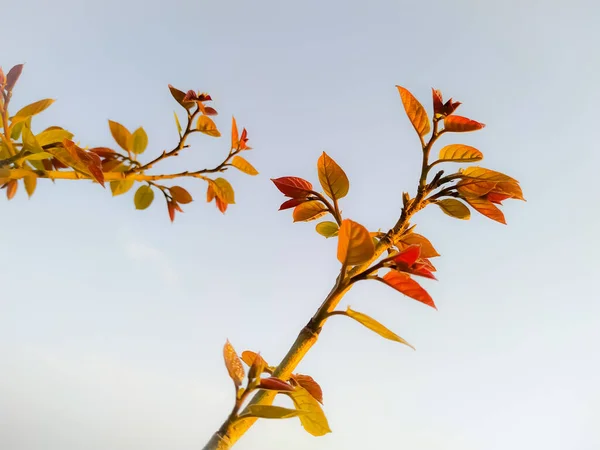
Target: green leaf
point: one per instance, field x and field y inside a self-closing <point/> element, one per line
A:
<point x="375" y="326"/>
<point x="313" y="419"/>
<point x="143" y="197"/>
<point x="119" y="187"/>
<point x="270" y="412"/>
<point x="34" y="108"/>
<point x="121" y="135"/>
<point x="240" y="163"/>
<point x="179" y="129"/>
<point x="53" y="136"/>
<point x="454" y="208"/>
<point x="139" y="140"/>
<point x="327" y="229"/>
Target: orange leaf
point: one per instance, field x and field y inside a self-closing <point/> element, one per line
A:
<point x="294" y="187"/>
<point x="11" y="189"/>
<point x="427" y="249"/>
<point x="275" y="384"/>
<point x="461" y="124"/>
<point x="332" y="178"/>
<point x="415" y="111"/>
<point x="233" y="364"/>
<point x="307" y="211"/>
<point x="460" y="153"/>
<point x="487" y="208"/>
<point x="206" y="125"/>
<point x="403" y="283"/>
<point x="310" y="385"/>
<point x="180" y="194"/>
<point x="221" y="205"/>
<point x="235" y="141"/>
<point x="355" y="245"/>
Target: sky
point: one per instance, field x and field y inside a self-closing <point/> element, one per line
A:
<point x="112" y="320"/>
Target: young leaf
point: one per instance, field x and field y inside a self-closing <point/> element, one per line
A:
<point x="327" y="229"/>
<point x="415" y="111"/>
<point x="275" y="384"/>
<point x="235" y="139"/>
<point x="257" y="367"/>
<point x="30" y="182"/>
<point x="207" y="126"/>
<point x="308" y="211"/>
<point x="291" y="203"/>
<point x="12" y="76"/>
<point x="355" y="245"/>
<point x="427" y="249"/>
<point x="11" y="189"/>
<point x="121" y="135"/>
<point x="293" y="187"/>
<point x="311" y="386"/>
<point x="332" y="178"/>
<point x="402" y="282"/>
<point x="487" y="208"/>
<point x="180" y="195"/>
<point x="270" y="412"/>
<point x="408" y="256"/>
<point x="233" y="364"/>
<point x="139" y="141"/>
<point x="33" y="108"/>
<point x="313" y="420"/>
<point x="375" y="326"/>
<point x="460" y="124"/>
<point x="30" y="142"/>
<point x="179" y="129"/>
<point x="179" y="96"/>
<point x="240" y="163"/>
<point x="460" y="153"/>
<point x="37" y="156"/>
<point x="120" y="187"/>
<point x="454" y="208"/>
<point x="486" y="174"/>
<point x="143" y="197"/>
<point x="224" y="191"/>
<point x="250" y="358"/>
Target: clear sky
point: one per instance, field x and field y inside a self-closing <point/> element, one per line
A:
<point x="112" y="320"/>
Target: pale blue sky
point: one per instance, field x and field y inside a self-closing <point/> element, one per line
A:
<point x="112" y="320"/>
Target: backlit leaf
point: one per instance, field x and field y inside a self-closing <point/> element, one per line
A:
<point x="487" y="208"/>
<point x="121" y="135"/>
<point x="332" y="178"/>
<point x="11" y="189"/>
<point x="460" y="153"/>
<point x="313" y="420"/>
<point x="294" y="187"/>
<point x="402" y="282"/>
<point x="291" y="203"/>
<point x="257" y="366"/>
<point x="270" y="412"/>
<point x="30" y="142"/>
<point x="30" y="182"/>
<point x="249" y="357"/>
<point x="454" y="208"/>
<point x="460" y="124"/>
<point x="355" y="245"/>
<point x="327" y="229"/>
<point x="37" y="156"/>
<point x="311" y="386"/>
<point x="119" y="187"/>
<point x="427" y="249"/>
<point x="53" y="136"/>
<point x="233" y="364"/>
<point x="415" y="111"/>
<point x="375" y="326"/>
<point x="207" y="126"/>
<point x="275" y="384"/>
<point x="143" y="197"/>
<point x="310" y="210"/>
<point x="179" y="96"/>
<point x="18" y="128"/>
<point x="34" y="108"/>
<point x="180" y="195"/>
<point x="240" y="163"/>
<point x="224" y="191"/>
<point x="139" y="141"/>
<point x="235" y="137"/>
<point x="486" y="174"/>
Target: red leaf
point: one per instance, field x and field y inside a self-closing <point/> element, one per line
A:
<point x="441" y="109"/>
<point x="103" y="152"/>
<point x="275" y="384"/>
<point x="402" y="282"/>
<point x="310" y="385"/>
<point x="291" y="203"/>
<point x="294" y="187"/>
<point x="210" y="111"/>
<point x="461" y="124"/>
<point x="423" y="271"/>
<point x="171" y="209"/>
<point x="496" y="197"/>
<point x="409" y="255"/>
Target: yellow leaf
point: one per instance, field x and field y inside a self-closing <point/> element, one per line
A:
<point x="179" y="129"/>
<point x="313" y="419"/>
<point x="121" y="135"/>
<point x="235" y="137"/>
<point x="120" y="187"/>
<point x="332" y="178"/>
<point x="33" y="108"/>
<point x="327" y="229"/>
<point x="415" y="111"/>
<point x="53" y="136"/>
<point x="37" y="156"/>
<point x="487" y="208"/>
<point x="270" y="412"/>
<point x="233" y="364"/>
<point x="478" y="181"/>
<point x="139" y="141"/>
<point x="143" y="197"/>
<point x="224" y="190"/>
<point x="207" y="126"/>
<point x="454" y="208"/>
<point x="355" y="245"/>
<point x="29" y="141"/>
<point x="308" y="211"/>
<point x="375" y="326"/>
<point x="240" y="163"/>
<point x="30" y="182"/>
<point x="460" y="153"/>
<point x="427" y="249"/>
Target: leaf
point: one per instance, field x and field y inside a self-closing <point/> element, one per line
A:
<point x="221" y="205"/>
<point x="121" y="135"/>
<point x="427" y="249"/>
<point x="415" y="111"/>
<point x="240" y="163"/>
<point x="310" y="385"/>
<point x="291" y="203"/>
<point x="143" y="197"/>
<point x="408" y="256"/>
<point x="403" y="283"/>
<point x="18" y="128"/>
<point x="224" y="191"/>
<point x="355" y="245"/>
<point x="30" y="142"/>
<point x="179" y="129"/>
<point x="486" y="174"/>
<point x="293" y="187"/>
<point x="275" y="384"/>
<point x="233" y="364"/>
<point x="180" y="195"/>
<point x="460" y="153"/>
<point x="487" y="208"/>
<point x="90" y="161"/>
<point x="54" y="136"/>
<point x="139" y="141"/>
<point x="30" y="182"/>
<point x="34" y="108"/>
<point x="257" y="367"/>
<point x="313" y="420"/>
<point x="179" y="96"/>
<point x="478" y="181"/>
<point x="270" y="412"/>
<point x="332" y="178"/>
<point x="249" y="357"/>
<point x="454" y="208"/>
<point x="207" y="126"/>
<point x="375" y="326"/>
<point x="307" y="211"/>
<point x="12" y="76"/>
<point x="327" y="229"/>
<point x="120" y="187"/>
<point x="235" y="140"/>
<point x="37" y="156"/>
<point x="11" y="189"/>
<point x="460" y="124"/>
